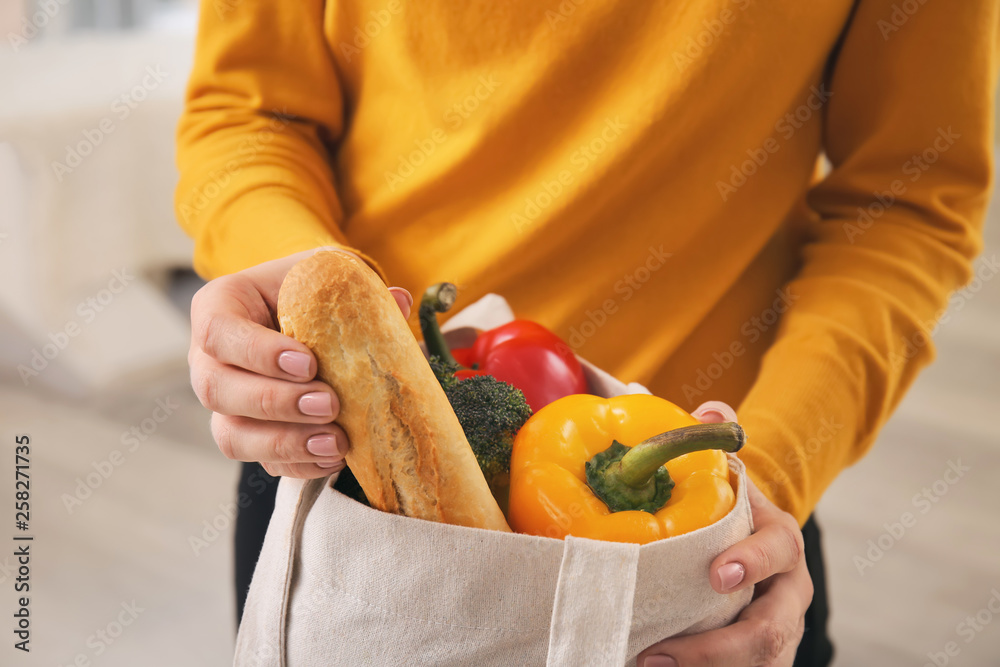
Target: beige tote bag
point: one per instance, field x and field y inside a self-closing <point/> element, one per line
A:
<point x="339" y="583"/>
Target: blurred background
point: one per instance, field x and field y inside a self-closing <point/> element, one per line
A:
<point x="131" y="503"/>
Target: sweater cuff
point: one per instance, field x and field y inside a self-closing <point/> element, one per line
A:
<point x="803" y="428"/>
<point x="257" y="230"/>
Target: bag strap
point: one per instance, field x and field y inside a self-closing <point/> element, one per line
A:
<point x="261" y="638"/>
<point x="592" y="612"/>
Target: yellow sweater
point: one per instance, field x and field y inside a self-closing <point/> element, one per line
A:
<point x="639" y="177"/>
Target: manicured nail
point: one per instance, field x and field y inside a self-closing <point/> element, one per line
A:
<point x="714" y="412"/>
<point x="323" y="445"/>
<point x="407" y="297"/>
<point x="659" y="661"/>
<point x="316" y="404"/>
<point x="330" y="464"/>
<point x="731" y="574"/>
<point x="294" y="363"/>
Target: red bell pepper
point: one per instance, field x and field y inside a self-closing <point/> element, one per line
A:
<point x="522" y="353"/>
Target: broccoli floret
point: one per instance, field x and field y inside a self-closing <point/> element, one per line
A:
<point x="444" y="371"/>
<point x="491" y="413"/>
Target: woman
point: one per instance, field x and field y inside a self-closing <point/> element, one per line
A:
<point x="643" y="180"/>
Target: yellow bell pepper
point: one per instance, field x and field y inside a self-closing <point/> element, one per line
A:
<point x="594" y="467"/>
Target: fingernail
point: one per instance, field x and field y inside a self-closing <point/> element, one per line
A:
<point x="406" y="295"/>
<point x="711" y="417"/>
<point x="659" y="661"/>
<point x="294" y="363"/>
<point x="330" y="464"/>
<point x="714" y="412"/>
<point x="323" y="445"/>
<point x="731" y="574"/>
<point x="316" y="404"/>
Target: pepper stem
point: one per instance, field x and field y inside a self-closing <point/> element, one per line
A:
<point x="436" y="299"/>
<point x="635" y="479"/>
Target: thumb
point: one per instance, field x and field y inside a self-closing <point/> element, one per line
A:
<point x="403" y="298"/>
<point x="268" y="276"/>
<point x="714" y="412"/>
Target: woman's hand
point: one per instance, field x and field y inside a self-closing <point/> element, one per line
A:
<point x="259" y="383"/>
<point x="768" y="631"/>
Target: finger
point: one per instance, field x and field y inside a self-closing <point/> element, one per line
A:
<point x="775" y="546"/>
<point x="267" y="277"/>
<point x="766" y="633"/>
<point x="234" y="391"/>
<point x="245" y="439"/>
<point x="714" y="412"/>
<point x="301" y="470"/>
<point x="787" y="657"/>
<point x="403" y="298"/>
<point x="797" y="584"/>
<point x="232" y="320"/>
<point x="230" y="324"/>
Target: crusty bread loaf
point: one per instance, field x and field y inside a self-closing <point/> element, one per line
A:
<point x="408" y="450"/>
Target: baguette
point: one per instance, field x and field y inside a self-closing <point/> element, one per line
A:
<point x="408" y="450"/>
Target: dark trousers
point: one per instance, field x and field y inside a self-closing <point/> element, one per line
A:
<point x="815" y="650"/>
<point x="251" y="524"/>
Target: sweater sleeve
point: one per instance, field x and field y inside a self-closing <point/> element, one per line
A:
<point x="263" y="108"/>
<point x="909" y="133"/>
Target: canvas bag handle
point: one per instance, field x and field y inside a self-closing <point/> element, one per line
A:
<point x="261" y="639"/>
<point x="592" y="613"/>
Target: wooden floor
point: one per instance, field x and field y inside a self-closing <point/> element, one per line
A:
<point x="899" y="593"/>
